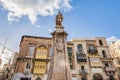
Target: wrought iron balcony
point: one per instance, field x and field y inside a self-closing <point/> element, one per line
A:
<point x="92" y="51"/>
<point x="81" y="58"/>
<point x="106" y="59"/>
<point x="110" y="73"/>
<point x="83" y="72"/>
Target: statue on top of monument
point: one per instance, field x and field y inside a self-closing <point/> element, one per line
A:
<point x="59" y="19"/>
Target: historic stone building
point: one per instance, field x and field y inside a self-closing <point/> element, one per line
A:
<point x="89" y="59"/>
<point x="92" y="60"/>
<point x="33" y="59"/>
<point x="115" y="53"/>
<point x="43" y="58"/>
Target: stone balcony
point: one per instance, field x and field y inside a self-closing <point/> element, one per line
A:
<point x="110" y="69"/>
<point x="74" y="73"/>
<point x="83" y="72"/>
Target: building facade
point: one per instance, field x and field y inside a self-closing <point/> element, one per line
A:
<point x="33" y="59"/>
<point x="115" y="53"/>
<point x="89" y="59"/>
<point x="92" y="60"/>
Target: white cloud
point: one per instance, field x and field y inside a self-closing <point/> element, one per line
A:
<point x="111" y="40"/>
<point x="32" y="8"/>
<point x="50" y="30"/>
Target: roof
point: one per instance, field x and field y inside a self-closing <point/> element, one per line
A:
<point x="36" y="37"/>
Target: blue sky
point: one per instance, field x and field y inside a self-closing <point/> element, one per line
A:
<point x="82" y="19"/>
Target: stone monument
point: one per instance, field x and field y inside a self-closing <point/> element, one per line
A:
<point x="59" y="66"/>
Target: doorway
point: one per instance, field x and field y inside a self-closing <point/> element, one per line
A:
<point x="25" y="79"/>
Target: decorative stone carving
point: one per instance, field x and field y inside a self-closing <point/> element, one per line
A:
<point x="59" y="45"/>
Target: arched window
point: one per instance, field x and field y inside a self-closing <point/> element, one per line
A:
<point x="41" y="52"/>
<point x="100" y="42"/>
<point x="80" y="48"/>
<point x="104" y="53"/>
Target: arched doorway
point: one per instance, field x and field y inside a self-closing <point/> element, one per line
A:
<point x="97" y="77"/>
<point x="38" y="78"/>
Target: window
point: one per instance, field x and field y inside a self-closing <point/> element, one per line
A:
<point x="31" y="49"/>
<point x="82" y="68"/>
<point x="106" y="64"/>
<point x="92" y="47"/>
<point x="70" y="57"/>
<point x="79" y="48"/>
<point x="25" y="78"/>
<point x="100" y="42"/>
<point x="28" y="65"/>
<point x="104" y="53"/>
<point x="111" y="77"/>
<point x="41" y="52"/>
<point x="69" y="51"/>
<point x="94" y="60"/>
<point x="51" y="52"/>
<point x="83" y="78"/>
<point x="81" y="56"/>
<point x="71" y="64"/>
<point x="39" y="67"/>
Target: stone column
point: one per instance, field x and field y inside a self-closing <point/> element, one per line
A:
<point x="59" y="66"/>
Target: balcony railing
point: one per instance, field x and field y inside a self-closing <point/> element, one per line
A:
<point x="80" y="51"/>
<point x="110" y="69"/>
<point x="92" y="51"/>
<point x="83" y="72"/>
<point x="106" y="59"/>
<point x="81" y="58"/>
<point x="110" y="73"/>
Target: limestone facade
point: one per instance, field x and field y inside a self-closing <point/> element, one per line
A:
<point x="89" y="59"/>
<point x="33" y="60"/>
<point x="115" y="53"/>
<point x="92" y="59"/>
